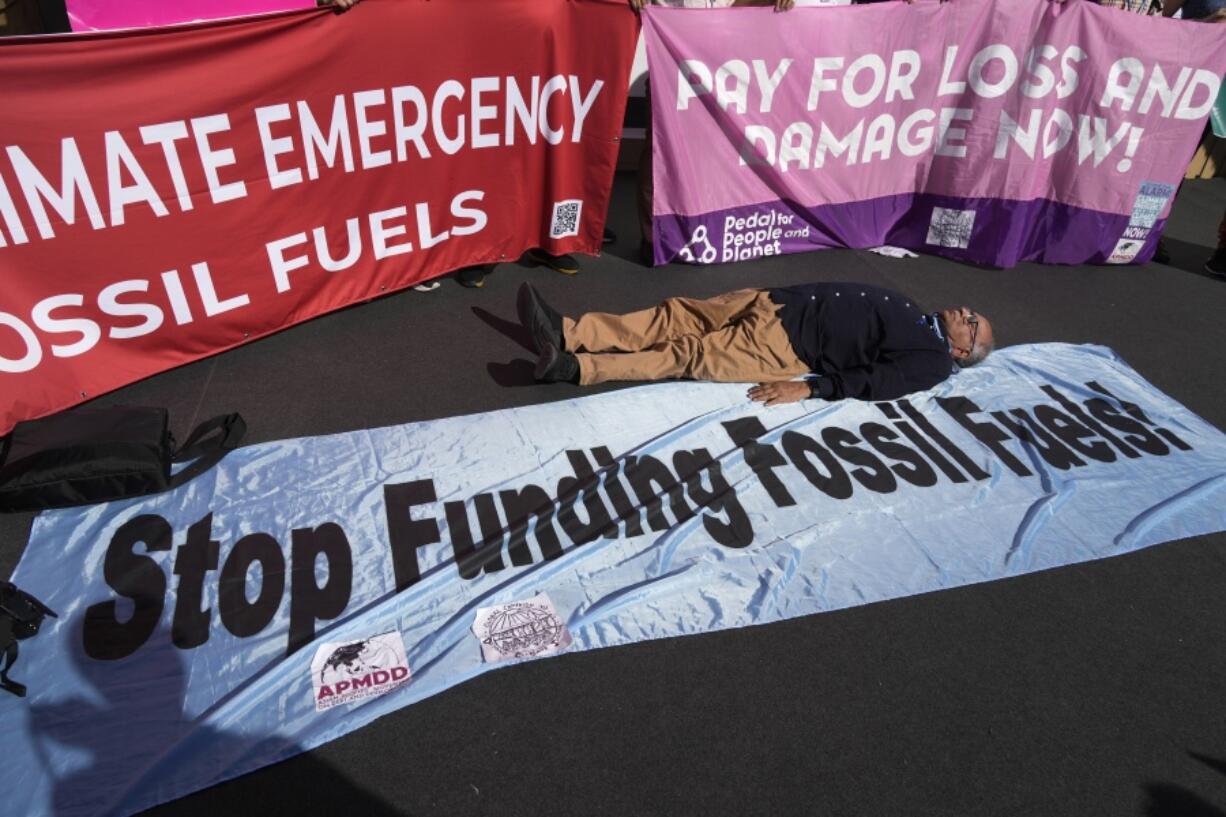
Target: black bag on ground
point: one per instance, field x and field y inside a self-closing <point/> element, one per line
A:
<point x="86" y="456"/>
<point x="21" y="615"/>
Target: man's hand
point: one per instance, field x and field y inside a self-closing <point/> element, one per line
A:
<point x="637" y="5"/>
<point x="774" y="394"/>
<point x="342" y="5"/>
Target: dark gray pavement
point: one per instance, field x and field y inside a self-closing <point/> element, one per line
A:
<point x="1095" y="689"/>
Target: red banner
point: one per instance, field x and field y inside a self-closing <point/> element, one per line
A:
<point x="166" y="195"/>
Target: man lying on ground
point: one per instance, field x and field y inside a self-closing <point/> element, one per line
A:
<point x="861" y="341"/>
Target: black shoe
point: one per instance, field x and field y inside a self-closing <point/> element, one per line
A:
<point x="1161" y="256"/>
<point x="541" y="320"/>
<point x="9" y="685"/>
<point x="472" y="277"/>
<point x="1217" y="262"/>
<point x="556" y="366"/>
<point x="564" y="264"/>
<point x="609" y="237"/>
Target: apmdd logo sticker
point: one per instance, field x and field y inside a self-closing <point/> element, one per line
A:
<point x="349" y="671"/>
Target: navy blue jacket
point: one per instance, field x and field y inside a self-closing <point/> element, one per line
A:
<point x="866" y="342"/>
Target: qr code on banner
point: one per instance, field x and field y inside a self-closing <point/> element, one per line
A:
<point x="951" y="228"/>
<point x="565" y="218"/>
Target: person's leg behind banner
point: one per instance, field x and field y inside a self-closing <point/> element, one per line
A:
<point x="645" y="189"/>
<point x="752" y="348"/>
<point x="473" y="277"/>
<point x="1217" y="262"/>
<point x="566" y="264"/>
<point x="673" y="318"/>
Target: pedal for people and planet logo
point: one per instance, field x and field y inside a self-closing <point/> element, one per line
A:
<point x="743" y="238"/>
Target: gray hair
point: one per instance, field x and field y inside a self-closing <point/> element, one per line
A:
<point x="978" y="353"/>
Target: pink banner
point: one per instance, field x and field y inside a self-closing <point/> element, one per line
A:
<point x="97" y="15"/>
<point x="995" y="131"/>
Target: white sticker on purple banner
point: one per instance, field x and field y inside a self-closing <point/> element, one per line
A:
<point x="951" y="228"/>
<point x="1151" y="201"/>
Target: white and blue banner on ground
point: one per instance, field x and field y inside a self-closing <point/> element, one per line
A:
<point x="304" y="588"/>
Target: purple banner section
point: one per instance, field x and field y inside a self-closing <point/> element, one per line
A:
<point x="964" y="229"/>
<point x="991" y="131"/>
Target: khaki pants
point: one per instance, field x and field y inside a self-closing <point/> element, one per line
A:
<point x="731" y="338"/>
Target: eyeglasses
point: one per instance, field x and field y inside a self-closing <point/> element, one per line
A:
<point x="973" y="320"/>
